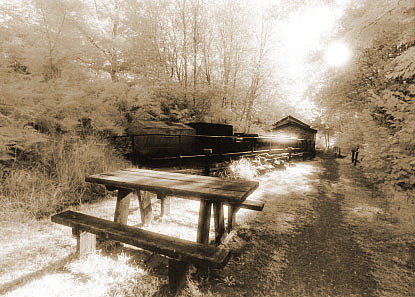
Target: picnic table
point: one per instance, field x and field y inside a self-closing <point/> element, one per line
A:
<point x="209" y="190"/>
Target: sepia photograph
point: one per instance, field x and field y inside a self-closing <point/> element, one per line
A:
<point x="207" y="148"/>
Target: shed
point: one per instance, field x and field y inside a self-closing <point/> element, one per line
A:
<point x="294" y="128"/>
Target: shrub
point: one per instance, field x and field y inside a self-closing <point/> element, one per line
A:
<point x="52" y="176"/>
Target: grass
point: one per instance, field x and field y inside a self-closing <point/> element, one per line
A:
<point x="382" y="231"/>
<point x="36" y="255"/>
<point x="31" y="246"/>
<point x="52" y="176"/>
<point x="95" y="275"/>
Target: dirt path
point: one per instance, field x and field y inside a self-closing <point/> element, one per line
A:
<point x="322" y="233"/>
<point x="324" y="259"/>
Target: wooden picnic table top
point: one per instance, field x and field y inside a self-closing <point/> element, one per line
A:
<point x="188" y="186"/>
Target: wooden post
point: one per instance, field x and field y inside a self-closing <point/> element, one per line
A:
<point x="180" y="153"/>
<point x="355" y="157"/>
<point x="122" y="207"/>
<point x="203" y="226"/>
<point x="146" y="210"/>
<point x="134" y="157"/>
<point x="208" y="153"/>
<point x="205" y="209"/>
<point x="165" y="205"/>
<point x="219" y="221"/>
<point x="177" y="275"/>
<point x="85" y="242"/>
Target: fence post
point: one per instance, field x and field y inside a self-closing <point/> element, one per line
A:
<point x="180" y="152"/>
<point x="208" y="154"/>
<point x="133" y="152"/>
<point x="355" y="157"/>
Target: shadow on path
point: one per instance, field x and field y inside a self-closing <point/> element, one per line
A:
<point x="21" y="281"/>
<point x="323" y="259"/>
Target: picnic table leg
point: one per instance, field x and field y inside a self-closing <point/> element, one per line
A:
<point x="204" y="221"/>
<point x="122" y="207"/>
<point x="219" y="221"/>
<point x="177" y="275"/>
<point x="145" y="206"/>
<point x="85" y="242"/>
<point x="232" y="209"/>
<point x="165" y="204"/>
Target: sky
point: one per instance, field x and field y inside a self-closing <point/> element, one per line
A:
<point x="305" y="32"/>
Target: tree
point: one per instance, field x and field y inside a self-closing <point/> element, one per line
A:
<point x="258" y="73"/>
<point x="378" y="90"/>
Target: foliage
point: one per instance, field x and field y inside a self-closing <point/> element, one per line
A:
<point x="52" y="175"/>
<point x="80" y="54"/>
<point x="373" y="101"/>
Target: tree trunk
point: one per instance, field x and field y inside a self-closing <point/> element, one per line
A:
<point x="184" y="44"/>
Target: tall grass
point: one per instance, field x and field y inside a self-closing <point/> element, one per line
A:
<point x="52" y="175"/>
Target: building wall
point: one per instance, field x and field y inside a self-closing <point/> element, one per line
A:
<point x="295" y="132"/>
<point x="298" y="132"/>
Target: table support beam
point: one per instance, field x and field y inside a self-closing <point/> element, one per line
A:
<point x="232" y="209"/>
<point x="219" y="221"/>
<point x="205" y="212"/>
<point x="122" y="207"/>
<point x="165" y="205"/>
<point x="146" y="210"/>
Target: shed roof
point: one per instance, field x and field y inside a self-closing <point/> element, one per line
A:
<point x="290" y="120"/>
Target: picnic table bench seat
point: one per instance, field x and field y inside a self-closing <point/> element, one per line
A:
<point x="180" y="252"/>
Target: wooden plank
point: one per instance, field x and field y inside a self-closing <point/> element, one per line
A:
<point x="122" y="207"/>
<point x="176" y="248"/>
<point x="192" y="191"/>
<point x="135" y="181"/>
<point x="226" y="239"/>
<point x="178" y="176"/>
<point x="164" y="175"/>
<point x="146" y="211"/>
<point x="253" y="205"/>
<point x="219" y="221"/>
<point x="203" y="225"/>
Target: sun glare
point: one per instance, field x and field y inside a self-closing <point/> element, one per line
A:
<point x="337" y="54"/>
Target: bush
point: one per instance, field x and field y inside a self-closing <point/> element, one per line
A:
<point x="52" y="177"/>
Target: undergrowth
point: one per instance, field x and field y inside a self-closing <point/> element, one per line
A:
<point x="51" y="176"/>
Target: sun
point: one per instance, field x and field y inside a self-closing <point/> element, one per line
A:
<point x="337" y="53"/>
